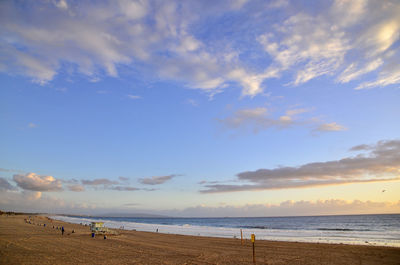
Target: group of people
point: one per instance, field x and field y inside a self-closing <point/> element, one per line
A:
<point x="29" y="221"/>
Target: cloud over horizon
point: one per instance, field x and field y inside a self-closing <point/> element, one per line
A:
<point x="76" y="188"/>
<point x="379" y="162"/>
<point x="293" y="208"/>
<point x="34" y="201"/>
<point x="156" y="180"/>
<point x="124" y="188"/>
<point x="34" y="182"/>
<point x="108" y="184"/>
<point x="5" y="185"/>
<point x="31" y="201"/>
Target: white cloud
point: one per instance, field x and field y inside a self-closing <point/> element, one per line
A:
<point x="310" y="45"/>
<point x="251" y="83"/>
<point x="351" y="72"/>
<point x="347" y="39"/>
<point x="98" y="38"/>
<point x="349" y="11"/>
<point x="382" y="36"/>
<point x="133" y="9"/>
<point x="357" y="36"/>
<point x="34" y="182"/>
<point x="62" y="4"/>
<point x="389" y="76"/>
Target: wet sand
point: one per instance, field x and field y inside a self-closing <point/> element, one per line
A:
<point x="22" y="243"/>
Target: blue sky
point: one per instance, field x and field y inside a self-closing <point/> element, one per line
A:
<point x="227" y="108"/>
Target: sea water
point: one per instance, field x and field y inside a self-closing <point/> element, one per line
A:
<point x="380" y="229"/>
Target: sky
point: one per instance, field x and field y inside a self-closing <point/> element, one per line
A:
<point x="200" y="108"/>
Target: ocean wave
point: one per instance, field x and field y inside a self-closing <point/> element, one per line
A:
<point x="328" y="234"/>
<point x="255" y="227"/>
<point x="343" y="229"/>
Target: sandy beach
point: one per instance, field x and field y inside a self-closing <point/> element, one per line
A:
<point x="22" y="243"/>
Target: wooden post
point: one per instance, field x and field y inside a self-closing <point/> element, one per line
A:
<point x="241" y="237"/>
<point x="253" y="239"/>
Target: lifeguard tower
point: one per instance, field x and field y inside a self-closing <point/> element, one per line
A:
<point x="98" y="227"/>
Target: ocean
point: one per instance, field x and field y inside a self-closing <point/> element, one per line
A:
<point x="377" y="229"/>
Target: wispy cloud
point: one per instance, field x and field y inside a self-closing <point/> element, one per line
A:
<point x="134" y="97"/>
<point x="131" y="204"/>
<point x="156" y="180"/>
<point x="107" y="184"/>
<point x="11" y="170"/>
<point x="345" y="41"/>
<point x="32" y="125"/>
<point x="97" y="182"/>
<point x="123" y="188"/>
<point x="325" y="44"/>
<point x="310" y="46"/>
<point x="257" y="119"/>
<point x="333" y="126"/>
<point x="192" y="102"/>
<point x="380" y="163"/>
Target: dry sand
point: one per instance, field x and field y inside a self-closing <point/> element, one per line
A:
<point x="22" y="243"/>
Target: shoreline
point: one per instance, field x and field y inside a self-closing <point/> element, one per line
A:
<point x="37" y="244"/>
<point x="299" y="236"/>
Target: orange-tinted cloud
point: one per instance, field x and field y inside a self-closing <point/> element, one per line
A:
<point x="381" y="162"/>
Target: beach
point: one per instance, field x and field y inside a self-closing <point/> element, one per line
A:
<point x="24" y="243"/>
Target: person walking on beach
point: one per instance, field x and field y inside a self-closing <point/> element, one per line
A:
<point x="62" y="230"/>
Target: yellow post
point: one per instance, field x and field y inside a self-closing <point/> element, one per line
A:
<point x="253" y="240"/>
<point x="241" y="237"/>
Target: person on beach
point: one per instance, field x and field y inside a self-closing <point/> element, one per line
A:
<point x="62" y="230"/>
